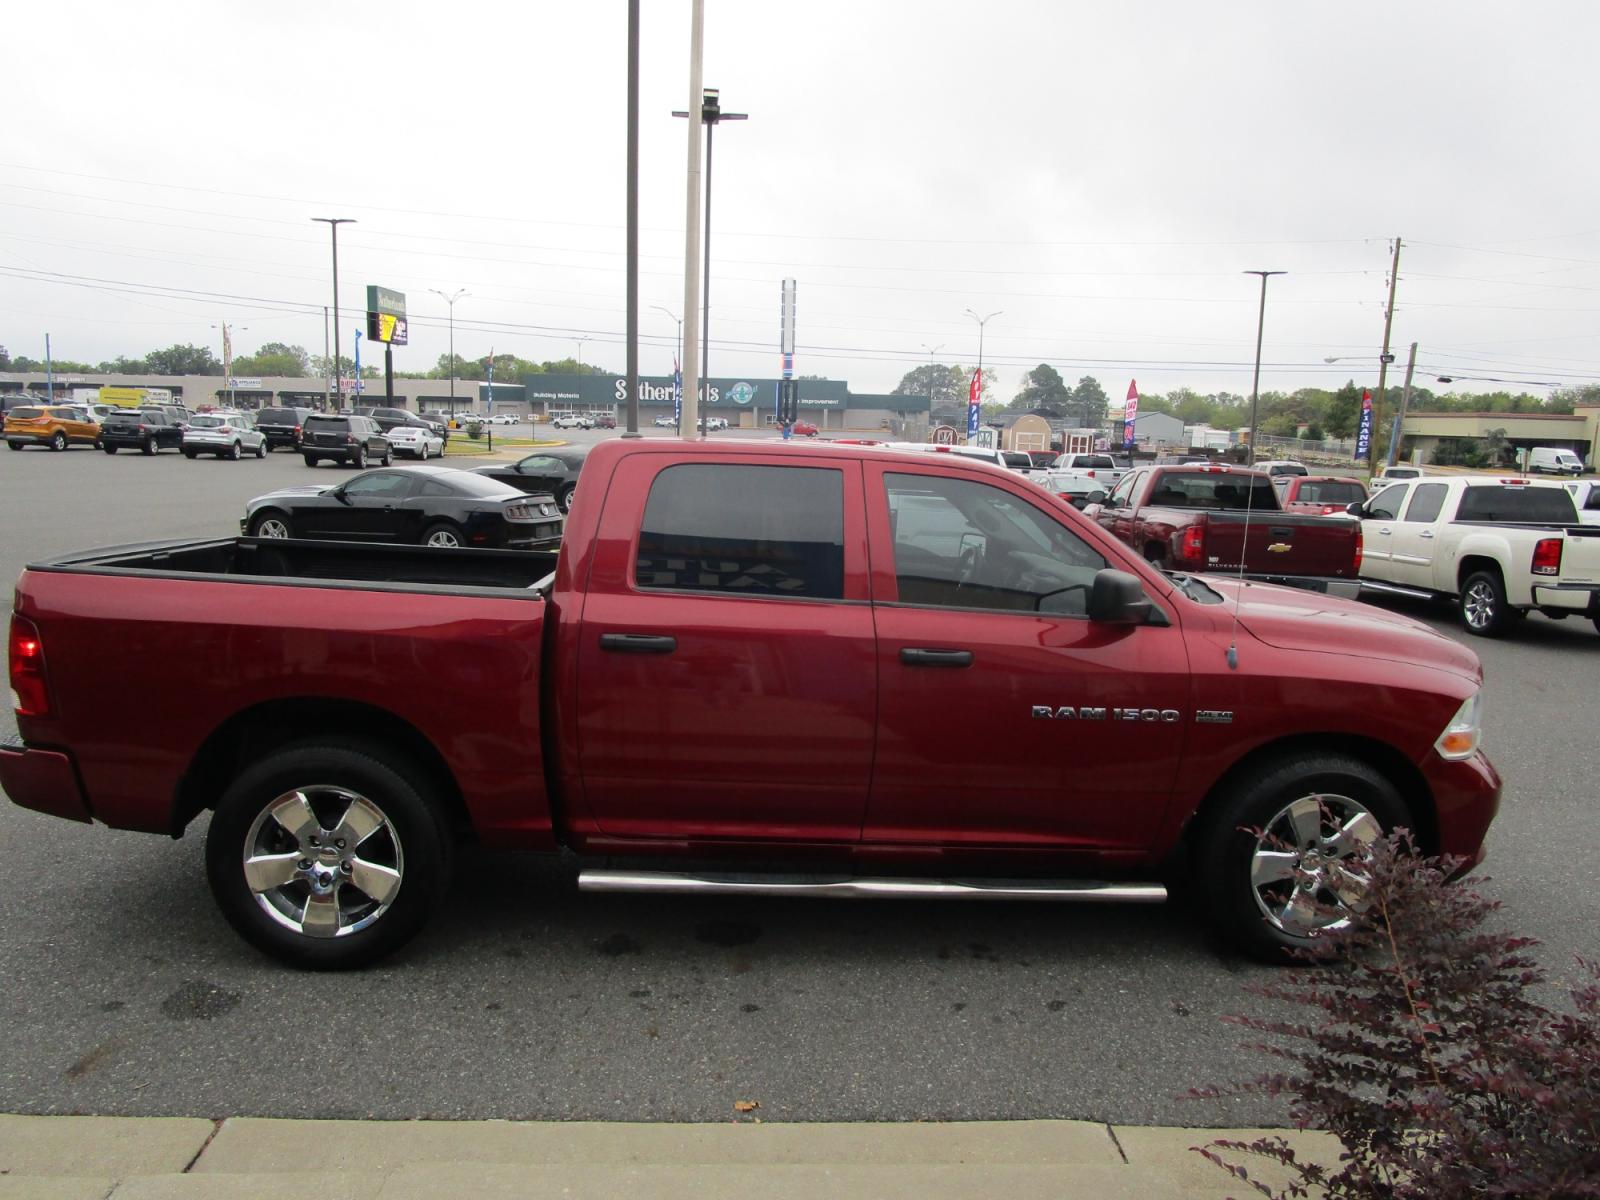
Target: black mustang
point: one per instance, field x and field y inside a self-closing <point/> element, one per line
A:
<point x="434" y="506"/>
<point x="554" y="471"/>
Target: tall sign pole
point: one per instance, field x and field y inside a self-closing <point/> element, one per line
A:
<point x="689" y="418"/>
<point x="632" y="417"/>
<point x="788" y="386"/>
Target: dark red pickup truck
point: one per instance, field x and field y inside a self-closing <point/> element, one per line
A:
<point x="775" y="669"/>
<point x="1227" y="519"/>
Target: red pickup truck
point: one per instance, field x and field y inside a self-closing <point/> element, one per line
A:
<point x="1228" y="519"/>
<point x="777" y="669"/>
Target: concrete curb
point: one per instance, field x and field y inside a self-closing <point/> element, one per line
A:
<point x="153" y="1158"/>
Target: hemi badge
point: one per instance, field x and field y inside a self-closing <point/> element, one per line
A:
<point x="1213" y="716"/>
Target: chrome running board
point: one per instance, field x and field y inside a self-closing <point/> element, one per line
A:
<point x="833" y="887"/>
<point x="1396" y="589"/>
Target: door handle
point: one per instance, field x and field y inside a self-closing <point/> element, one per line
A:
<point x="1427" y="533"/>
<point x="916" y="656"/>
<point x="1386" y="531"/>
<point x="638" y="643"/>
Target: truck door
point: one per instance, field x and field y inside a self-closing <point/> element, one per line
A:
<point x="1006" y="717"/>
<point x="726" y="667"/>
<point x="1377" y="532"/>
<point x="1413" y="545"/>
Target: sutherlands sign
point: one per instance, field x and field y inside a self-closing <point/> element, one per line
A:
<point x="724" y="393"/>
<point x="386" y="315"/>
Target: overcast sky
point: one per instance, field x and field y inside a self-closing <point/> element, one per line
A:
<point x="1098" y="174"/>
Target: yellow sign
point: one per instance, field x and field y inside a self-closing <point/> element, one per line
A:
<point x="123" y="397"/>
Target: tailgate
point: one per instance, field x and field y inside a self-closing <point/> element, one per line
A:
<point x="1580" y="556"/>
<point x="1278" y="543"/>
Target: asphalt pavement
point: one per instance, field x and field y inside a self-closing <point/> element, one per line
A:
<point x="126" y="994"/>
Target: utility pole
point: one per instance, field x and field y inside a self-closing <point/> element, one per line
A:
<point x="49" y="374"/>
<point x="327" y="363"/>
<point x="1383" y="361"/>
<point x="932" y="367"/>
<point x="690" y="418"/>
<point x="451" y="301"/>
<point x="1405" y="398"/>
<point x="333" y="224"/>
<point x="1255" y="387"/>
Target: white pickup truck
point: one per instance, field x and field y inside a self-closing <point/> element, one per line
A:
<point x="1101" y="468"/>
<point x="1500" y="548"/>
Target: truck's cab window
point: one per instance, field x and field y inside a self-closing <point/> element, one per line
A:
<point x="1427" y="502"/>
<point x="963" y="544"/>
<point x="751" y="531"/>
<point x="1385" y="506"/>
<point x="1124" y="489"/>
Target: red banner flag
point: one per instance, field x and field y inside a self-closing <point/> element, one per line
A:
<point x="975" y="392"/>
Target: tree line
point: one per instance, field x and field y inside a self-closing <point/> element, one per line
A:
<point x="1315" y="413"/>
<point x="280" y="360"/>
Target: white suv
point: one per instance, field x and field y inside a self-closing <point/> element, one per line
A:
<point x="572" y="420"/>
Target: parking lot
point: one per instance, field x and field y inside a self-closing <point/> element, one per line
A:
<point x="128" y="994"/>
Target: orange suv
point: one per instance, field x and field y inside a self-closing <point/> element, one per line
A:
<point x="56" y="426"/>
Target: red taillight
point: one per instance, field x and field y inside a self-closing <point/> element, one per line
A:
<point x="1357" y="568"/>
<point x="29" y="695"/>
<point x="350" y="439"/>
<point x="297" y="431"/>
<point x="1193" y="548"/>
<point x="1547" y="557"/>
<point x="144" y="429"/>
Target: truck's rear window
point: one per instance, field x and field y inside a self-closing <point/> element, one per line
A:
<point x="1330" y="492"/>
<point x="746" y="530"/>
<point x="1499" y="502"/>
<point x="1218" y="490"/>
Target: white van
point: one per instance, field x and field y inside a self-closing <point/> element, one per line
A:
<point x="1554" y="460"/>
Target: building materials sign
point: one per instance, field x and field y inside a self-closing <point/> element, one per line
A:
<point x="386" y="316"/>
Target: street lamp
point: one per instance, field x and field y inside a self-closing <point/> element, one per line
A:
<point x="711" y="115"/>
<point x="451" y="301"/>
<point x="1255" y="387"/>
<point x="333" y="224"/>
<point x="581" y="341"/>
<point x="982" y="321"/>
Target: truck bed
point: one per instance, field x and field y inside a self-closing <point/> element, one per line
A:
<point x="321" y="564"/>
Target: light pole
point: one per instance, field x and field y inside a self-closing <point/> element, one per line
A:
<point x="711" y="115"/>
<point x="451" y="301"/>
<point x="581" y="341"/>
<point x="982" y="321"/>
<point x="679" y="320"/>
<point x="1255" y="386"/>
<point x="333" y="224"/>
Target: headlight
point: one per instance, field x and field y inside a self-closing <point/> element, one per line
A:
<point x="1461" y="736"/>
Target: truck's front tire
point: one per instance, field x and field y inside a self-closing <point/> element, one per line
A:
<point x="326" y="855"/>
<point x="1280" y="859"/>
<point x="1484" y="610"/>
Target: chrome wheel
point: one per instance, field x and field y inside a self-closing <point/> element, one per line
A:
<point x="447" y="538"/>
<point x="272" y="527"/>
<point x="1478" y="604"/>
<point x="1307" y="872"/>
<point x="323" y="861"/>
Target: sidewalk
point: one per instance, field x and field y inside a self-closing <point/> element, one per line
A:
<point x="244" y="1158"/>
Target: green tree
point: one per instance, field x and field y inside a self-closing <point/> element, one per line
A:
<point x="275" y="358"/>
<point x="5" y="359"/>
<point x="321" y="367"/>
<point x="122" y="365"/>
<point x="1089" y="402"/>
<point x="183" y="360"/>
<point x="1343" y="413"/>
<point x="1042" y="387"/>
<point x="943" y="385"/>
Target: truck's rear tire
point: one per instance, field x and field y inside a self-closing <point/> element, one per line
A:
<point x="1279" y="859"/>
<point x="325" y="854"/>
<point x="1483" y="606"/>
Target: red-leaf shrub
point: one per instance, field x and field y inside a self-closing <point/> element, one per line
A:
<point x="1421" y="1046"/>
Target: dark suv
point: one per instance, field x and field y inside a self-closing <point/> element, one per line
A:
<point x="353" y="439"/>
<point x="282" y="425"/>
<point x="388" y="418"/>
<point x="148" y="429"/>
